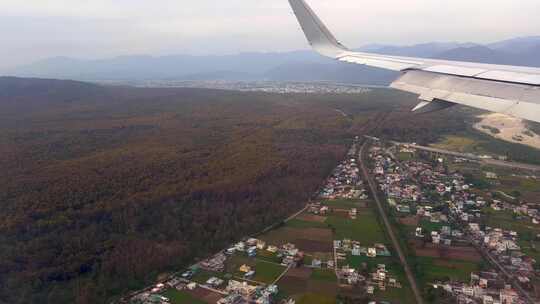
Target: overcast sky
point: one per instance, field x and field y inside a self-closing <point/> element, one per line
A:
<point x="37" y="29"/>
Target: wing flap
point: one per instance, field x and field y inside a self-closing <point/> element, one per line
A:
<point x="507" y="76"/>
<point x="516" y="100"/>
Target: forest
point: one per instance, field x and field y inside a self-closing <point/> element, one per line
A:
<point x="102" y="189"/>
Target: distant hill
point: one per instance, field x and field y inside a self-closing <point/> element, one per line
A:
<point x="516" y="45"/>
<point x="288" y="66"/>
<point x="420" y="50"/>
<point x="478" y="53"/>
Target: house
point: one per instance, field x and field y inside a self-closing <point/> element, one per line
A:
<point x="245" y="268"/>
<point x="356" y="251"/>
<point x="214" y="282"/>
<point x="508" y="295"/>
<point x="261" y="245"/>
<point x="252" y="242"/>
<point x="491" y="175"/>
<point x="435" y="237"/>
<point x="272" y="249"/>
<point x="370" y="290"/>
<point x="403" y="208"/>
<point x="188" y="275"/>
<point x="240" y="246"/>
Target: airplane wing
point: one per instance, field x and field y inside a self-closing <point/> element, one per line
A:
<point x="510" y="90"/>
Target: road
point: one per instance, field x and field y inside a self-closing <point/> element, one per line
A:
<point x="389" y="228"/>
<point x="501" y="268"/>
<point x="492" y="162"/>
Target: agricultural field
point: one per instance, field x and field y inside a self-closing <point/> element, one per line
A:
<point x="182" y="297"/>
<point x="393" y="295"/>
<point x="266" y="272"/>
<point x="346" y="204"/>
<point x="473" y="141"/>
<point x="432" y="270"/>
<point x="404" y="156"/>
<point x="531" y="248"/>
<point x="430" y="226"/>
<point x="312" y="298"/>
<point x="366" y="228"/>
<point x="309" y="240"/>
<point x="326" y="275"/>
<point x="507" y="220"/>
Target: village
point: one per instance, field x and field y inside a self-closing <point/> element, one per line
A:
<point x="447" y="219"/>
<point x="337" y="247"/>
<point x="315" y="256"/>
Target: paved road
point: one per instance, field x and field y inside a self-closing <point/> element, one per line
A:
<point x="493" y="162"/>
<point x="390" y="230"/>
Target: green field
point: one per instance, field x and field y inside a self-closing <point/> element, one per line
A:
<point x="366" y="228"/>
<point x="327" y="275"/>
<point x="181" y="297"/>
<point x="312" y="298"/>
<point x="476" y="142"/>
<point x="404" y="156"/>
<point x="268" y="256"/>
<point x="510" y="184"/>
<point x="430" y="270"/>
<point x="296" y="223"/>
<point x="505" y="220"/>
<point x="267" y="272"/>
<point x="356" y="262"/>
<point x="458" y="144"/>
<point x="429" y="226"/>
<point x="396" y="295"/>
<point x="531" y="248"/>
<point x="343" y="203"/>
<point x="202" y="276"/>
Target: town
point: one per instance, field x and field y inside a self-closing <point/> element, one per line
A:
<point x="451" y="219"/>
<point x="470" y="244"/>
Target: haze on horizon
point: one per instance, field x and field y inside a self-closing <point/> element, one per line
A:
<point x="33" y="29"/>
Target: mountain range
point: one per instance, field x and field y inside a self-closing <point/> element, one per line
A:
<point x="286" y="66"/>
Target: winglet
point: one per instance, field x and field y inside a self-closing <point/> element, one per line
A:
<point x="317" y="33"/>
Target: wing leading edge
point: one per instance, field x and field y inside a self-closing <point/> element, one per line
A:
<point x="505" y="89"/>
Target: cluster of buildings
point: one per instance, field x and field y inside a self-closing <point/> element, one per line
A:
<point x="233" y="291"/>
<point x="252" y="86"/>
<point x="345" y="182"/>
<point x="503" y="246"/>
<point x="244" y="293"/>
<point x="382" y="280"/>
<point x="215" y="263"/>
<point x="351" y="276"/>
<point x="529" y="212"/>
<point x="354" y="248"/>
<point x="484" y="288"/>
<point x="426" y="191"/>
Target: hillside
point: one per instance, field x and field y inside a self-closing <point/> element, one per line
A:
<point x="105" y="188"/>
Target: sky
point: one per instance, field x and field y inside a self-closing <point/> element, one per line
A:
<point x="32" y="30"/>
